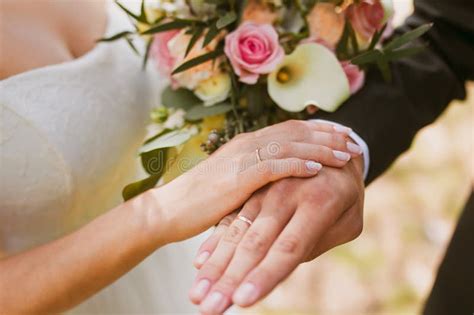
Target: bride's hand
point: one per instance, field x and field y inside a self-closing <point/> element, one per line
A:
<point x="201" y="197"/>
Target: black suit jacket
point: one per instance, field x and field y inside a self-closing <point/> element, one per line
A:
<point x="388" y="115"/>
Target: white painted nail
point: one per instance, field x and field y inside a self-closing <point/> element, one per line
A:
<point x="201" y="289"/>
<point x="342" y="129"/>
<point x="313" y="166"/>
<point x="201" y="259"/>
<point x="354" y="148"/>
<point x="246" y="294"/>
<point x="343" y="156"/>
<point x="214" y="303"/>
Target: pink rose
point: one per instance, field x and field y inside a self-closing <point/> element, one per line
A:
<point x="160" y="52"/>
<point x="355" y="76"/>
<point x="253" y="49"/>
<point x="366" y="17"/>
<point x="168" y="51"/>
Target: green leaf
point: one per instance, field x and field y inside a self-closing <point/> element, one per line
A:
<point x="210" y="35"/>
<point x="403" y="53"/>
<point x="154" y="161"/>
<point x="132" y="46"/>
<point x="227" y="19"/>
<point x="115" y="37"/>
<point x="407" y="37"/>
<point x="353" y="38"/>
<point x="138" y="18"/>
<point x="367" y="57"/>
<point x="162" y="132"/>
<point x="168" y="140"/>
<point x="143" y="16"/>
<point x="376" y="38"/>
<point x="201" y="111"/>
<point x="180" y="98"/>
<point x="384" y="68"/>
<point x="196" y="35"/>
<point x="147" y="52"/>
<point x="134" y="189"/>
<point x="173" y="25"/>
<point x="198" y="60"/>
<point x="341" y="48"/>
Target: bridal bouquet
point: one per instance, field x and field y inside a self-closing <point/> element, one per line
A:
<point x="237" y="66"/>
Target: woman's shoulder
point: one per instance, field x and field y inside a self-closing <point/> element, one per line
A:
<point x="41" y="33"/>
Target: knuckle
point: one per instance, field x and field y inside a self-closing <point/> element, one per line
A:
<point x="298" y="125"/>
<point x="288" y="245"/>
<point x="233" y="234"/>
<point x="211" y="270"/>
<point x="254" y="242"/>
<point x="338" y="139"/>
<point x="282" y="151"/>
<point x="358" y="227"/>
<point x="227" y="282"/>
<point x="226" y="221"/>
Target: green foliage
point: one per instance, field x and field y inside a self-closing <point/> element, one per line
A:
<point x="171" y="139"/>
<point x="200" y="111"/>
<point x="179" y="98"/>
<point x="134" y="189"/>
<point x="198" y="60"/>
<point x="394" y="50"/>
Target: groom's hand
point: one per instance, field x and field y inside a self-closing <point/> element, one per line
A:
<point x="294" y="220"/>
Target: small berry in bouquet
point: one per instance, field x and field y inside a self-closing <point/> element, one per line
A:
<point x="238" y="66"/>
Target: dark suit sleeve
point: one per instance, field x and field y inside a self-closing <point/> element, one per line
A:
<point x="388" y="115"/>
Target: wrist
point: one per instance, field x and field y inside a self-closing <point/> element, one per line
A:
<point x="153" y="221"/>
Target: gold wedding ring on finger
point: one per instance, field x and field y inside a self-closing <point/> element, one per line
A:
<point x="245" y="219"/>
<point x="257" y="154"/>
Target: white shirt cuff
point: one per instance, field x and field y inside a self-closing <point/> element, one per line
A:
<point x="357" y="139"/>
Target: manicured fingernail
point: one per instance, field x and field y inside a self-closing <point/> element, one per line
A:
<point x="313" y="166"/>
<point x="342" y="129"/>
<point x="201" y="258"/>
<point x="200" y="290"/>
<point x="214" y="303"/>
<point x="343" y="156"/>
<point x="246" y="294"/>
<point x="354" y="148"/>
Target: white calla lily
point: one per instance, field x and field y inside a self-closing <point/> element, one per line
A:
<point x="311" y="75"/>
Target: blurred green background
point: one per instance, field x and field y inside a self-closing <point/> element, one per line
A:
<point x="410" y="214"/>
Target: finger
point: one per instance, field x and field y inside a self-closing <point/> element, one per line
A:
<point x="216" y="264"/>
<point x="335" y="141"/>
<point x="251" y="250"/>
<point x="207" y="248"/>
<point x="328" y="127"/>
<point x="262" y="173"/>
<point x="305" y="151"/>
<point x="284" y="256"/>
<point x="294" y="130"/>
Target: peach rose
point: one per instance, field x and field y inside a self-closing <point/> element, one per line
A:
<point x="326" y="25"/>
<point x="259" y="12"/>
<point x="169" y="49"/>
<point x="253" y="50"/>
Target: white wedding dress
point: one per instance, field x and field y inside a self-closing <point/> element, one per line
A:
<point x="69" y="134"/>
